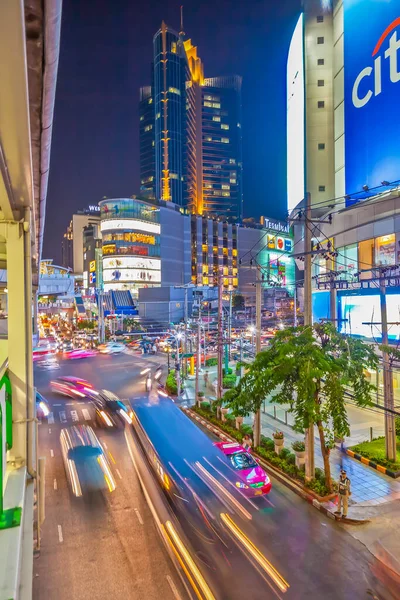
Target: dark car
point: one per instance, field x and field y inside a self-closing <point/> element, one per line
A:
<point x="111" y="412"/>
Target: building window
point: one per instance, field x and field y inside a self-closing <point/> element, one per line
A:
<point x="216" y="105"/>
<point x="173" y="47"/>
<point x="225" y="140"/>
<point x="321" y="61"/>
<point x="320" y="18"/>
<point x="173" y="175"/>
<point x="232" y="181"/>
<point x="321" y="103"/>
<point x="321" y="188"/>
<point x="209" y="104"/>
<point x="226" y="194"/>
<point x="320" y="40"/>
<point x="174" y="90"/>
<point x="232" y="161"/>
<point x="150" y="100"/>
<point x="216" y="119"/>
<point x="158" y="115"/>
<point x="385" y="250"/>
<point x="208" y="139"/>
<point x="321" y="146"/>
<point x="142" y="118"/>
<point x="153" y="143"/>
<point x="224" y="186"/>
<point x="224" y="126"/>
<point x="148" y="127"/>
<point x="321" y="83"/>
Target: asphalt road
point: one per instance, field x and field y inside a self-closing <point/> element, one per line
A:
<point x="111" y="548"/>
<point x="108" y="548"/>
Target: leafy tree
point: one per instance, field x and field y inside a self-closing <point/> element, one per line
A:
<point x="311" y="369"/>
<point x="238" y="302"/>
<point x="86" y="324"/>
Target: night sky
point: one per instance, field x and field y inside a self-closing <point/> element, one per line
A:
<point x="105" y="56"/>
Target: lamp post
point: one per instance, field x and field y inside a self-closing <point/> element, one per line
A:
<point x="178" y="338"/>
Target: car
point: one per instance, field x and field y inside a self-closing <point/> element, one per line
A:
<point x="111" y="348"/>
<point x="80" y="353"/>
<point x="41" y="352"/>
<point x="85" y="462"/>
<point x="251" y="478"/>
<point x="42" y="406"/>
<point x="111" y="412"/>
<point x="72" y="387"/>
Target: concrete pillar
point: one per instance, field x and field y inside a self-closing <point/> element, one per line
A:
<point x="19" y="283"/>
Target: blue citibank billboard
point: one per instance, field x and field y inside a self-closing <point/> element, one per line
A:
<point x="372" y="92"/>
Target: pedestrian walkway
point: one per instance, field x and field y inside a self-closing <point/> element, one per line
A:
<point x="62" y="413"/>
<point x="369" y="487"/>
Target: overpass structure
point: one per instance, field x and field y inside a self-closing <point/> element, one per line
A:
<point x="29" y="50"/>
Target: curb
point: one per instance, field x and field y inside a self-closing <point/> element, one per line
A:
<point x="277" y="474"/>
<point x="371" y="463"/>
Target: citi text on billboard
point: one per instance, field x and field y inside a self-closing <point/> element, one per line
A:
<point x="369" y="81"/>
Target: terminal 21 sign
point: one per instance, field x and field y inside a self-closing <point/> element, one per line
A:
<point x="372" y="92"/>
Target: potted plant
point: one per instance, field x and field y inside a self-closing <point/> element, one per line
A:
<point x="299" y="449"/>
<point x="278" y="440"/>
<point x="200" y="396"/>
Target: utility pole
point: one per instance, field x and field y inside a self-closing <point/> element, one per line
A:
<point x="178" y="366"/>
<point x="198" y="356"/>
<point x="332" y="303"/>
<point x="220" y="346"/>
<point x="185" y="338"/>
<point x="230" y="324"/>
<point x="309" y="437"/>
<point x="295" y="306"/>
<point x="259" y="289"/>
<point x="390" y="431"/>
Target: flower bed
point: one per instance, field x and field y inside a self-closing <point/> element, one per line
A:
<point x="285" y="462"/>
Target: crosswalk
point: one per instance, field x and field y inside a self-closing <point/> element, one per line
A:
<point x="69" y="416"/>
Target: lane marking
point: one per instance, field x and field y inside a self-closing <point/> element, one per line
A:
<point x="50" y="418"/>
<point x="173" y="588"/>
<point x="74" y="415"/>
<point x="69" y="403"/>
<point x="139" y="516"/>
<point x="51" y="453"/>
<point x="55" y="484"/>
<point x="57" y="404"/>
<point x="112" y="458"/>
<point x="60" y="534"/>
<point x="63" y="416"/>
<point x="49" y="429"/>
<point x="119" y="474"/>
<point x="86" y="414"/>
<point x="105" y="445"/>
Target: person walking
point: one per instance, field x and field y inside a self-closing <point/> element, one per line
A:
<point x="246" y="442"/>
<point x="344" y="493"/>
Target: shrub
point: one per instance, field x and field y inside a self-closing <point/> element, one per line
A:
<point x="246" y="429"/>
<point x="230" y="371"/>
<point x="397" y="425"/>
<point x="211" y="362"/>
<point x="205" y="406"/>
<point x="319" y="475"/>
<point x="298" y="446"/>
<point x="267" y="443"/>
<point x="284" y="453"/>
<point x="170" y="383"/>
<point x="229" y="382"/>
<point x="291" y="458"/>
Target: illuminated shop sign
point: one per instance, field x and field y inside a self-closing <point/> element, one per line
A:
<point x="113" y="224"/>
<point x="279" y="243"/>
<point x="275" y="225"/>
<point x="92" y="266"/>
<point x="372" y="92"/>
<point x="137" y="275"/>
<point x="385" y="250"/>
<point x="136" y="262"/>
<point x="92" y="278"/>
<point x="94" y="208"/>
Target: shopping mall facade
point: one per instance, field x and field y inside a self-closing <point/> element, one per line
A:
<point x="343" y="131"/>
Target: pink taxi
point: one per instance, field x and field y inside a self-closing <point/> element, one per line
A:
<point x="251" y="478"/>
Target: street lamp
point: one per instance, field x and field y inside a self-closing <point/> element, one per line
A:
<point x="252" y="330"/>
<point x="178" y="338"/>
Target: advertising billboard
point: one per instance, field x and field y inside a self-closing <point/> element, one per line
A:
<point x="372" y="93"/>
<point x="295" y="129"/>
<point x="135" y="262"/>
<point x="138" y="275"/>
<point x="356" y="311"/>
<point x="129" y="224"/>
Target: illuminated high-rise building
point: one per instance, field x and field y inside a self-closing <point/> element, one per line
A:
<point x="190" y="131"/>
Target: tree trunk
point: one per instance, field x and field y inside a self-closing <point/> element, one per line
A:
<point x="325" y="456"/>
<point x="257" y="429"/>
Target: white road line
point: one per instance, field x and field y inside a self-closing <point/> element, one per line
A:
<point x="55" y="484"/>
<point x="86" y="414"/>
<point x="80" y="402"/>
<point x="63" y="416"/>
<point x="60" y="534"/>
<point x="74" y="415"/>
<point x="57" y="404"/>
<point x="50" y="418"/>
<point x="119" y="474"/>
<point x="51" y="453"/>
<point x="49" y="429"/>
<point x="173" y="588"/>
<point x="69" y="403"/>
<point x="105" y="445"/>
<point x="139" y="516"/>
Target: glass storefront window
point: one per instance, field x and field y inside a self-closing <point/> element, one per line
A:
<point x="385" y="250"/>
<point x="347" y="261"/>
<point x="365" y="258"/>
